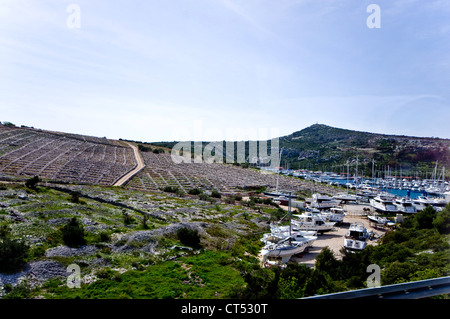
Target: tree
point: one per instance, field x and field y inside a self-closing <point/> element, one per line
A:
<point x="425" y="218"/>
<point x="73" y="233"/>
<point x="442" y="221"/>
<point x="327" y="262"/>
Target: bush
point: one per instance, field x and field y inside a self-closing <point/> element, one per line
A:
<point x="203" y="196"/>
<point x="188" y="237"/>
<point x="12" y="254"/>
<point x="32" y="182"/>
<point x="194" y="191"/>
<point x="215" y="194"/>
<point x="21" y="291"/>
<point x="143" y="148"/>
<point x="171" y="189"/>
<point x="127" y="218"/>
<point x="73" y="233"/>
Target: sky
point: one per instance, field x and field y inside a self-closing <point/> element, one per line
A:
<point x="166" y="70"/>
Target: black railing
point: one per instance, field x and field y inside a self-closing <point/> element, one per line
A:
<point x="410" y="290"/>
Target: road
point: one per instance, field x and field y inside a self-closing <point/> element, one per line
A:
<point x="130" y="174"/>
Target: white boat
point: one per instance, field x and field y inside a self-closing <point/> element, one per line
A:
<point x="378" y="219"/>
<point x="278" y="233"/>
<point x="314" y="222"/>
<point x="356" y="237"/>
<point x="320" y="201"/>
<point x="439" y="203"/>
<point x="283" y="231"/>
<point x="384" y="203"/>
<point x="284" y="249"/>
<point x="405" y="205"/>
<point x="423" y="202"/>
<point x="335" y="214"/>
<point x="346" y="197"/>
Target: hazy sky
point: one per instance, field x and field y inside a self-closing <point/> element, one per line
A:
<point x="207" y="69"/>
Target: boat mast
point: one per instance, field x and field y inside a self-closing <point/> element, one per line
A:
<point x="278" y="175"/>
<point x="290" y="217"/>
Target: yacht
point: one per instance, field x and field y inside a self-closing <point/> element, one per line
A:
<point x="335" y="214"/>
<point x="320" y="201"/>
<point x="313" y="222"/>
<point x="405" y="205"/>
<point x="384" y="203"/>
<point x="439" y="203"/>
<point x="356" y="238"/>
<point x="344" y="197"/>
<point x="423" y="202"/>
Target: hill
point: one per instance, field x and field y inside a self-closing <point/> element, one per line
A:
<point x="62" y="157"/>
<point x="326" y="147"/>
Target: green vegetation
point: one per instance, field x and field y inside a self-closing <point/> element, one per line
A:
<point x="221" y="264"/>
<point x="31" y="183"/>
<point x="189" y="237"/>
<point x="73" y="233"/>
<point x="194" y="191"/>
<point x="13" y="252"/>
<point x="144" y="148"/>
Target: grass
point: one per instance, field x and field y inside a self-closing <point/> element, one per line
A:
<point x="209" y="275"/>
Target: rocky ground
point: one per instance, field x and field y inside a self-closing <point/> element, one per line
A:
<point x="36" y="217"/>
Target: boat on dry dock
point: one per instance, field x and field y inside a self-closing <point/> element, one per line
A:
<point x="405" y="205"/>
<point x="356" y="237"/>
<point x="320" y="201"/>
<point x="384" y="202"/>
<point x="335" y="214"/>
<point x="309" y="221"/>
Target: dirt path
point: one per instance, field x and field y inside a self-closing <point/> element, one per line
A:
<point x="130" y="174"/>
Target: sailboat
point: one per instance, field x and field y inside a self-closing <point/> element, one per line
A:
<point x="288" y="246"/>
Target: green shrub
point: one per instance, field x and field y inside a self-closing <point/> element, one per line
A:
<point x="143" y="148"/>
<point x="215" y="194"/>
<point x="32" y="182"/>
<point x="127" y="218"/>
<point x="171" y="189"/>
<point x="188" y="237"/>
<point x="203" y="196"/>
<point x="104" y="237"/>
<point x="73" y="233"/>
<point x="21" y="291"/>
<point x="13" y="253"/>
<point x="194" y="191"/>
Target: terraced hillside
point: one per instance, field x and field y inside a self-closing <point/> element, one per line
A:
<point x="63" y="157"/>
<point x="160" y="171"/>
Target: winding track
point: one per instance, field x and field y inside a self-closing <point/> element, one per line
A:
<point x="140" y="165"/>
